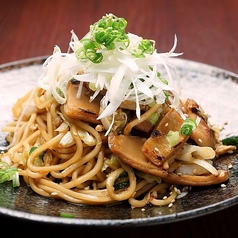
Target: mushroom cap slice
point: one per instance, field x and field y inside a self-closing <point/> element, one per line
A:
<point x="197" y="180"/>
<point x="128" y="148"/>
<point x="82" y="109"/>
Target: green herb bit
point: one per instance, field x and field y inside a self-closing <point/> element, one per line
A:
<point x="167" y="95"/>
<point x="39" y="160"/>
<point x="60" y="92"/>
<point x="173" y="138"/>
<point x="153" y="118"/>
<point x="120" y="182"/>
<point x="66" y="215"/>
<point x="7" y="174"/>
<point x="232" y="140"/>
<point x="121" y="185"/>
<point x="33" y="148"/>
<point x="188" y="126"/>
<point x="122" y="175"/>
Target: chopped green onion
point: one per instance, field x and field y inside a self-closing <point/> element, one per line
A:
<point x="104" y="33"/>
<point x="232" y="140"/>
<point x="163" y="80"/>
<point x="66" y="215"/>
<point x="188" y="126"/>
<point x="144" y="46"/>
<point x="8" y="173"/>
<point x="39" y="160"/>
<point x="33" y="148"/>
<point x="153" y="118"/>
<point x="109" y="29"/>
<point x="173" y="138"/>
<point x="15" y="180"/>
<point x="90" y="51"/>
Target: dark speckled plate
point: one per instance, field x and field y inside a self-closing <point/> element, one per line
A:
<point x="213" y="88"/>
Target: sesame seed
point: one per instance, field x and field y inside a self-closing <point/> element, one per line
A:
<point x="223" y="185"/>
<point x="200" y="140"/>
<point x="166" y="124"/>
<point x="170" y="205"/>
<point x="165" y="197"/>
<point x="230" y="166"/>
<point x="143" y="209"/>
<point x="54" y="193"/>
<point x="177" y="190"/>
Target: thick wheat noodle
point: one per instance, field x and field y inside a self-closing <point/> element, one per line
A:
<point x="76" y="172"/>
<point x="17" y="138"/>
<point x="32" y="137"/>
<point x="18" y="111"/>
<point x="18" y="105"/>
<point x="32" y="174"/>
<point x="163" y="201"/>
<point x="143" y="117"/>
<point x="9" y="128"/>
<point x="45" y="146"/>
<point x="138" y="203"/>
<point x="41" y="149"/>
<point x="28" y="126"/>
<point x="53" y="110"/>
<point x="42" y="105"/>
<point x="84" y="159"/>
<point x="74" y="166"/>
<point x="50" y="128"/>
<point x="40" y="122"/>
<point x="44" y="134"/>
<point x="64" y="156"/>
<point x="67" y="150"/>
<point x="89" y="174"/>
<point x="66" y="167"/>
<point x="39" y="97"/>
<point x="80" y="197"/>
<point x="142" y="188"/>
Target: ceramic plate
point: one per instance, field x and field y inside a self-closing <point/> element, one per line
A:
<point x="213" y="88"/>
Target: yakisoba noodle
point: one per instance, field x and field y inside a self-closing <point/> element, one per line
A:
<point x="111" y="152"/>
<point x="76" y="166"/>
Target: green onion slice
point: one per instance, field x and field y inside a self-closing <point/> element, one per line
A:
<point x="188" y="126"/>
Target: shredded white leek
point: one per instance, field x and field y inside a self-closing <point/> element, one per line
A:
<point x="121" y="73"/>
